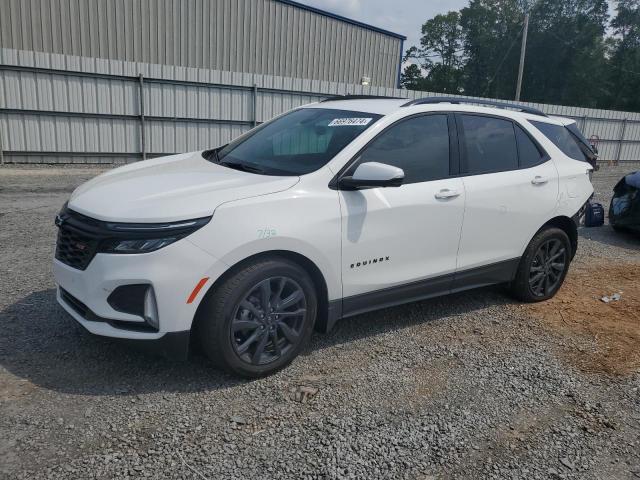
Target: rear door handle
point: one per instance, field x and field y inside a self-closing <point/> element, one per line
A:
<point x="447" y="193"/>
<point x="538" y="180"/>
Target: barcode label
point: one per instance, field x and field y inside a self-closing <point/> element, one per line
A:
<point x="348" y="122"/>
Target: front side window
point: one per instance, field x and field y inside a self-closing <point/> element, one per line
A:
<point x="561" y="138"/>
<point x="418" y="145"/>
<point x="297" y="143"/>
<point x="489" y="145"/>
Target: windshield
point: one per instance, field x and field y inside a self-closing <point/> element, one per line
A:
<point x="297" y="143"/>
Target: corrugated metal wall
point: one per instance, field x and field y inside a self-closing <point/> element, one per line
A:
<point x="251" y="36"/>
<point x="60" y="108"/>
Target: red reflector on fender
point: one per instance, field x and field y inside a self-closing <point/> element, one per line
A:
<point x="196" y="290"/>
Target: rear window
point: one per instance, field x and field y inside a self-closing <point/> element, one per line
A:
<point x="561" y="138"/>
<point x="489" y="145"/>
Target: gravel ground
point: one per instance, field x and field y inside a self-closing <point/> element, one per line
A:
<point x="468" y="386"/>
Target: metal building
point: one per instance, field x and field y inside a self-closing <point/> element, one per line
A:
<point x="274" y="37"/>
<point x="117" y="81"/>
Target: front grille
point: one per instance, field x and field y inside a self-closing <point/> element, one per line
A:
<point x="74" y="248"/>
<point x="78" y="238"/>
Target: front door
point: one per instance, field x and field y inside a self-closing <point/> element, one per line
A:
<point x="400" y="243"/>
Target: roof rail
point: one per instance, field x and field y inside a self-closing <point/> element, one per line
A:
<point x="360" y="97"/>
<point x="476" y="101"/>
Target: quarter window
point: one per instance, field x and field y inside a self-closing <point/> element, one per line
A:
<point x="530" y="155"/>
<point x="418" y="145"/>
<point x="561" y="138"/>
<point x="489" y="145"/>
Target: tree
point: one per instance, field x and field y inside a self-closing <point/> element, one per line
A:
<point x="412" y="78"/>
<point x="439" y="55"/>
<point x="625" y="59"/>
<point x="566" y="61"/>
<point x="570" y="59"/>
<point x="491" y="33"/>
<point x="566" y="49"/>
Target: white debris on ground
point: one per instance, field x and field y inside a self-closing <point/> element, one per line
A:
<point x="613" y="298"/>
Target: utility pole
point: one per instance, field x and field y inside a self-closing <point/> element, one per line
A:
<point x="523" y="50"/>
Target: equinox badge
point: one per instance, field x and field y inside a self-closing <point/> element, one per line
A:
<point x="369" y="262"/>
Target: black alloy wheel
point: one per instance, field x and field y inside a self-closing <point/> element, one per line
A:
<point x="259" y="317"/>
<point x="543" y="266"/>
<point x="547" y="268"/>
<point x="268" y="321"/>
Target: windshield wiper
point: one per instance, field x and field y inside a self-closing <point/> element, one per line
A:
<point x="242" y="167"/>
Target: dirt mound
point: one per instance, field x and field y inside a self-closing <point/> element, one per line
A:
<point x="578" y="312"/>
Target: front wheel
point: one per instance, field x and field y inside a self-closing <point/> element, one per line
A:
<point x="543" y="266"/>
<point x="257" y="321"/>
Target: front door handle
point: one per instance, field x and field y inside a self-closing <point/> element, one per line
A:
<point x="447" y="193"/>
<point x="538" y="180"/>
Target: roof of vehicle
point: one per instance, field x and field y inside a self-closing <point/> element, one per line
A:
<point x="380" y="106"/>
<point x="564" y="120"/>
<point x="388" y="105"/>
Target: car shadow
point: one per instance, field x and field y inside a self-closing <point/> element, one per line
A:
<point x="608" y="236"/>
<point x="41" y="343"/>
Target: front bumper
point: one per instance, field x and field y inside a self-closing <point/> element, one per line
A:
<point x="172" y="272"/>
<point x="171" y="345"/>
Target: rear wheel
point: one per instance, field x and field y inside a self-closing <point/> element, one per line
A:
<point x="543" y="267"/>
<point x="257" y="321"/>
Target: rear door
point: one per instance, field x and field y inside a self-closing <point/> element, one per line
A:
<point x="400" y="243"/>
<point x="511" y="188"/>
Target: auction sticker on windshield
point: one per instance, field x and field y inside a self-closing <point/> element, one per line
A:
<point x="349" y="122"/>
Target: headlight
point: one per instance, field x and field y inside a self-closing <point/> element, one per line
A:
<point x="146" y="237"/>
<point x="136" y="246"/>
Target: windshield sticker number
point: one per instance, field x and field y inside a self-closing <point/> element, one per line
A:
<point x="349" y="122"/>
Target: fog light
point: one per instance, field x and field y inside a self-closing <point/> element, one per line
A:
<point x="151" y="308"/>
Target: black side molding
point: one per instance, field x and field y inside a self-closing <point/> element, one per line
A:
<point x="501" y="272"/>
<point x="390" y="297"/>
<point x="496" y="273"/>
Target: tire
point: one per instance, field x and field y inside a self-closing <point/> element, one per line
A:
<point x="231" y="331"/>
<point x="547" y="243"/>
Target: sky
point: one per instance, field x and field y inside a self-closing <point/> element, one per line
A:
<point x="399" y="16"/>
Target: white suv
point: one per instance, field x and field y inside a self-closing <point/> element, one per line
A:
<point x="328" y="211"/>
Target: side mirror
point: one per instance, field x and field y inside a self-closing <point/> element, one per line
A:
<point x="371" y="175"/>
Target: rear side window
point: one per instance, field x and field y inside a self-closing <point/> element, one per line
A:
<point x="529" y="153"/>
<point x="489" y="145"/>
<point x="561" y="138"/>
<point x="418" y="145"/>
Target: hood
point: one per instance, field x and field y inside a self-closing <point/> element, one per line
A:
<point x="167" y="189"/>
